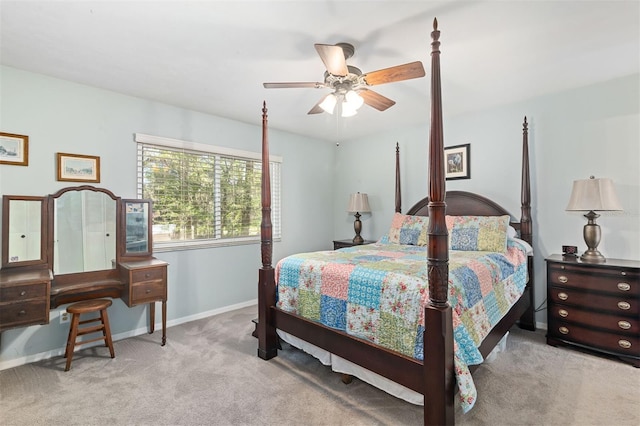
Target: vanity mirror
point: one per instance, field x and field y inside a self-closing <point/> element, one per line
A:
<point x="84" y="230"/>
<point x="80" y="243"/>
<point x="24" y="231"/>
<point x="138" y="233"/>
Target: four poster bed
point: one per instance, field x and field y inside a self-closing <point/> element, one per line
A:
<point x="396" y="308"/>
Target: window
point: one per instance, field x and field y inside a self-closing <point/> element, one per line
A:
<point x="204" y="195"/>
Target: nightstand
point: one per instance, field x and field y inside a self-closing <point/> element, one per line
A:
<point x="595" y="306"/>
<point x="338" y="244"/>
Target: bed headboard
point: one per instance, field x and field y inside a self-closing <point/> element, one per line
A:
<point x="463" y="203"/>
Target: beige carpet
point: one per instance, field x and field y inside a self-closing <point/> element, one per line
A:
<point x="209" y="374"/>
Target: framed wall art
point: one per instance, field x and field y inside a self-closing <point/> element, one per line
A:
<point x="78" y="168"/>
<point x="14" y="149"/>
<point x="457" y="162"/>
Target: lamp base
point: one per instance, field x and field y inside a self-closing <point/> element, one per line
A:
<point x="592" y="235"/>
<point x="593" y="256"/>
<point x="358" y="239"/>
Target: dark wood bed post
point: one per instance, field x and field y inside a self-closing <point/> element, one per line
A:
<point x="398" y="190"/>
<point x="439" y="375"/>
<point x="267" y="337"/>
<point x="528" y="319"/>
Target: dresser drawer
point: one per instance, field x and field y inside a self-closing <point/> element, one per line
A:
<point x="628" y="345"/>
<point x="147" y="274"/>
<point x="615" y="323"/>
<point x="609" y="280"/>
<point x="23" y="292"/>
<point x="30" y="312"/>
<point x="148" y="291"/>
<point x="619" y="305"/>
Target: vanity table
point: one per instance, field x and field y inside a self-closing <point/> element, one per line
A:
<point x="80" y="243"/>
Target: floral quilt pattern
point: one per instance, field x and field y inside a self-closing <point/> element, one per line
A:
<point x="378" y="292"/>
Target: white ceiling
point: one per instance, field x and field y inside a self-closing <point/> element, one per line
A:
<point x="213" y="56"/>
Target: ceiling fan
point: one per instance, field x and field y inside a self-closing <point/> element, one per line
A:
<point x="349" y="85"/>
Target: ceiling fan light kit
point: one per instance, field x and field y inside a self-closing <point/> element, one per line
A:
<point x="348" y="84"/>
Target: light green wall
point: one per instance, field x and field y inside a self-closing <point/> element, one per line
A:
<point x="593" y="130"/>
<point x="59" y="116"/>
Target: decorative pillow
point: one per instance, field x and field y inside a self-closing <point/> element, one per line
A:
<point x="407" y="229"/>
<point x="478" y="233"/>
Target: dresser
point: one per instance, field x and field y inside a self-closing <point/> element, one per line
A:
<point x="595" y="306"/>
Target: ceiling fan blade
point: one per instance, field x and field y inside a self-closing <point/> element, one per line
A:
<point x="301" y="85"/>
<point x="397" y="73"/>
<point x="316" y="108"/>
<point x="333" y="58"/>
<point x="375" y="100"/>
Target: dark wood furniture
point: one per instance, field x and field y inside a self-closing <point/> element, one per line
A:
<point x="595" y="306"/>
<point x="434" y="377"/>
<point x="80" y="243"/>
<point x="338" y="244"/>
<point x="77" y="309"/>
<point x="24" y="298"/>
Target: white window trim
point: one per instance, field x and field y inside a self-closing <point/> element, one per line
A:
<point x="196" y="146"/>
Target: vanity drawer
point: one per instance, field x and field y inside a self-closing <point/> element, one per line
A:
<point x="148" y="274"/>
<point x="628" y="345"/>
<point x="30" y="312"/>
<point x="23" y="292"/>
<point x="148" y="291"/>
<point x="145" y="282"/>
<point x="614" y="304"/>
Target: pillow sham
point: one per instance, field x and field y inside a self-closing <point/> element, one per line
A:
<point x="405" y="229"/>
<point x="478" y="233"/>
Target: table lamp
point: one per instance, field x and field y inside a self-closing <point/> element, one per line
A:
<point x="593" y="195"/>
<point x="358" y="203"/>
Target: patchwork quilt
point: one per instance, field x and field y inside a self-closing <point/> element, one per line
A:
<point x="378" y="292"/>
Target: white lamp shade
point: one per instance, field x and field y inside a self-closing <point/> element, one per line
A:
<point x="353" y="99"/>
<point x="329" y="103"/>
<point x="594" y="195"/>
<point x="358" y="203"/>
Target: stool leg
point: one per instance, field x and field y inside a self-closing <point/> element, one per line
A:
<point x="71" y="343"/>
<point x="107" y="332"/>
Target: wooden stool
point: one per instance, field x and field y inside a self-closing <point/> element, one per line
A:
<point x="86" y="307"/>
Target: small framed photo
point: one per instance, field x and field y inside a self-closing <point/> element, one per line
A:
<point x="457" y="162"/>
<point x="78" y="168"/>
<point x="14" y="149"/>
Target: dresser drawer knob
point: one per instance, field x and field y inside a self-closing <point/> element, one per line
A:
<point x="22" y="293"/>
<point x="625" y="306"/>
<point x="565" y="296"/>
<point x="624" y="286"/>
<point x="563" y="279"/>
<point x="563" y="313"/>
<point x="624" y="344"/>
<point x="148" y="291"/>
<point x="22" y="313"/>
<point x="625" y="325"/>
<point x="623" y="273"/>
<point x="147" y="275"/>
<point x="563" y="330"/>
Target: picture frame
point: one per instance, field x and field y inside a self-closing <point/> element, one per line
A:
<point x="457" y="162"/>
<point x="14" y="149"/>
<point x="78" y="168"/>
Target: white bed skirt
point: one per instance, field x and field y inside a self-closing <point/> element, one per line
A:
<point x="341" y="365"/>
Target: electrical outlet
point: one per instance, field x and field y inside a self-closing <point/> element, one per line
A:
<point x="64" y="317"/>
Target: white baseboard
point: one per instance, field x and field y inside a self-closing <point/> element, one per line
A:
<point x="16" y="362"/>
